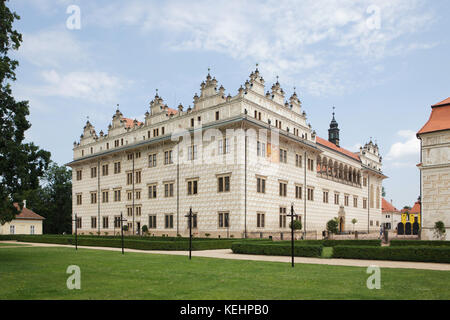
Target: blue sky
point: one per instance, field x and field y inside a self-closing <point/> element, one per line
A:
<point x="380" y="63"/>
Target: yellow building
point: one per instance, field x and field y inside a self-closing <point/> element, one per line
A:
<point x="26" y="222"/>
<point x="410" y="220"/>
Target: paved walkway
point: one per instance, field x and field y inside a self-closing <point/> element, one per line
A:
<point x="228" y="254"/>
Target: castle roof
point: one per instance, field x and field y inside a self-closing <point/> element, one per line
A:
<point x="332" y="146"/>
<point x="439" y="118"/>
<point x="129" y="123"/>
<point x="27" y="214"/>
<point x="386" y="206"/>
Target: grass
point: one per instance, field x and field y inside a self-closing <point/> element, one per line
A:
<point x="11" y="244"/>
<point x="40" y="273"/>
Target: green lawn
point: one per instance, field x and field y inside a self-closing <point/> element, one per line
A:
<point x="40" y="273"/>
<point x="11" y="244"/>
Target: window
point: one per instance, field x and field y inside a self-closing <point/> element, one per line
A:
<point x="298" y="192"/>
<point x="310" y="164"/>
<point x="105" y="222"/>
<point x="116" y="195"/>
<point x="283" y="156"/>
<point x="223" y="184"/>
<point x="79" y="223"/>
<point x="365" y="182"/>
<point x="79" y="199"/>
<point x="105" y="170"/>
<point x="224" y="220"/>
<point x="93" y="222"/>
<point x="116" y="143"/>
<point x="194" y="221"/>
<point x="168" y="189"/>
<point x="192" y="187"/>
<point x="364" y="203"/>
<point x="152" y="191"/>
<point x="325" y="197"/>
<point x="298" y="160"/>
<point x="355" y="202"/>
<point x="156" y="132"/>
<point x="130" y="211"/>
<point x="378" y="223"/>
<point x="93" y="172"/>
<point x="12" y="229"/>
<point x="116" y="222"/>
<point x="138" y="211"/>
<point x="261" y="149"/>
<point x="192" y="152"/>
<point x="336" y="198"/>
<point x="138" y="177"/>
<point x="224" y="146"/>
<point x="261" y="185"/>
<point x="192" y="122"/>
<point x="168" y="157"/>
<point x="283" y="189"/>
<point x="138" y="195"/>
<point x="168" y="221"/>
<point x="93" y="197"/>
<point x="217" y="115"/>
<point x="282" y="217"/>
<point x="152" y="160"/>
<point x="31" y="229"/>
<point x="371" y="223"/>
<point x="311" y="194"/>
<point x="105" y="196"/>
<point x="79" y="175"/>
<point x="162" y="130"/>
<point x="116" y="167"/>
<point x="129" y="178"/>
<point x="152" y="221"/>
<point x="129" y="195"/>
<point x="260" y="220"/>
<point x="346" y="200"/>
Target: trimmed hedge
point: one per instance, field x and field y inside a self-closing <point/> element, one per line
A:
<point x="333" y="243"/>
<point x="429" y="243"/>
<point x="128" y="243"/>
<point x="276" y="249"/>
<point x="400" y="253"/>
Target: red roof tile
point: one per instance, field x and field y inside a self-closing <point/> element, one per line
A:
<point x="331" y="145"/>
<point x="171" y="111"/>
<point x="415" y="208"/>
<point x="439" y="118"/>
<point x="27" y="214"/>
<point x="386" y="206"/>
<point x="129" y="123"/>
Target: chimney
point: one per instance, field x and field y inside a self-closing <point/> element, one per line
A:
<point x="24" y="203"/>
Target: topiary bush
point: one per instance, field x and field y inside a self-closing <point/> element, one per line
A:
<point x="400" y="253"/>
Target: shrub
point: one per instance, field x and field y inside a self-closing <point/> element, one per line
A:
<point x="428" y="243"/>
<point x="400" y="253"/>
<point x="276" y="249"/>
<point x="333" y="243"/>
<point x="144" y="229"/>
<point x="297" y="225"/>
<point x="439" y="229"/>
<point x="332" y="226"/>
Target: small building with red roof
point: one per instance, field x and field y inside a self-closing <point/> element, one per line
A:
<point x="434" y="169"/>
<point x="391" y="215"/>
<point x="25" y="222"/>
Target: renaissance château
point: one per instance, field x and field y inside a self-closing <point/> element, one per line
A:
<point x="239" y="162"/>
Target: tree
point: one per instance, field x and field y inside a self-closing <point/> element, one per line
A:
<point x="354" y="221"/>
<point x="144" y="229"/>
<point x="53" y="199"/>
<point x="439" y="230"/>
<point x="383" y="192"/>
<point x="332" y="226"/>
<point x="21" y="164"/>
<point x="297" y="225"/>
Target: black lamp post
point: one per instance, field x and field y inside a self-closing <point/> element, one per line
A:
<point x="76" y="232"/>
<point x="121" y="228"/>
<point x="189" y="216"/>
<point x="292" y="215"/>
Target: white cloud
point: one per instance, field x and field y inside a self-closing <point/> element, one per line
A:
<point x="92" y="86"/>
<point x="402" y="151"/>
<point x="287" y="37"/>
<point x="53" y="48"/>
